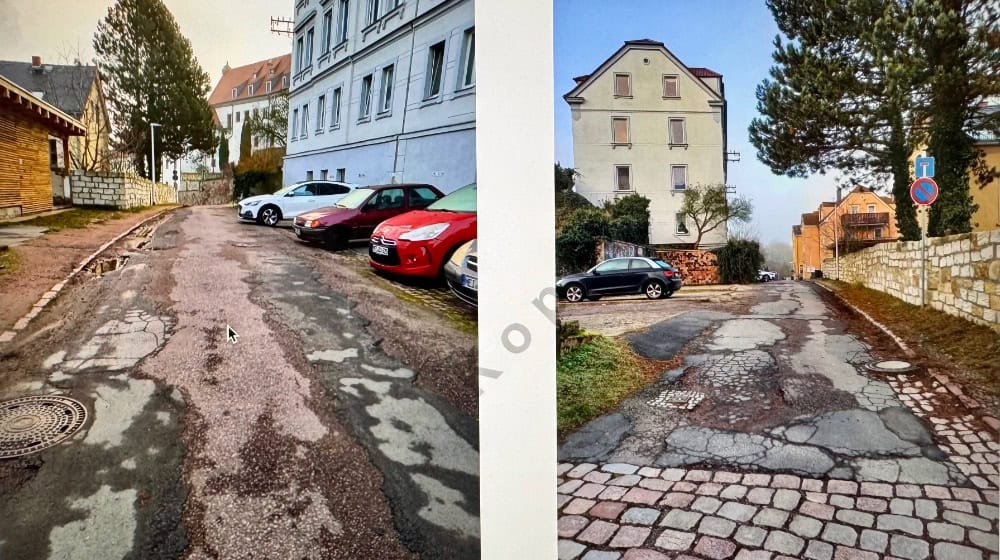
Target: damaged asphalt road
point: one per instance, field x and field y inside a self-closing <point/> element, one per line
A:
<point x="305" y="439"/>
<point x="780" y="389"/>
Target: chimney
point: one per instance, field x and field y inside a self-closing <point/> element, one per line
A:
<point x="36" y="64"/>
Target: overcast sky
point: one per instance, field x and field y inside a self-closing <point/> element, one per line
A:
<point x="219" y="31"/>
<point x="732" y="37"/>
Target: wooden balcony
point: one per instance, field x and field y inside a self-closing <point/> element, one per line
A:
<point x="865" y="219"/>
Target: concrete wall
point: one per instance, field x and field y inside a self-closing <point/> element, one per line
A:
<point x="648" y="152"/>
<point x="963" y="273"/>
<point x="118" y="190"/>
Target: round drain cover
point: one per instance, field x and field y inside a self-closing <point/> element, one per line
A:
<point x="891" y="366"/>
<point x="31" y="424"/>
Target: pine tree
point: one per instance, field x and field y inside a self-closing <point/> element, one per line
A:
<point x="152" y="76"/>
<point x="245" y="148"/>
<point x="223" y="151"/>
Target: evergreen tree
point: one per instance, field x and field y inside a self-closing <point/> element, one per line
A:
<point x="152" y="76"/>
<point x="223" y="151"/>
<point x="246" y="150"/>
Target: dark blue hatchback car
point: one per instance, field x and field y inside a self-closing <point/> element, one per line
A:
<point x="622" y="276"/>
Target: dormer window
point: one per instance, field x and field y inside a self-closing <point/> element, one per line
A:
<point x="236" y="92"/>
<point x="250" y="89"/>
<point x="284" y="81"/>
<point x="267" y="87"/>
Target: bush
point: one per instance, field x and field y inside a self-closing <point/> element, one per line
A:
<point x="259" y="173"/>
<point x="629" y="219"/>
<point x="577" y="242"/>
<point x="739" y="261"/>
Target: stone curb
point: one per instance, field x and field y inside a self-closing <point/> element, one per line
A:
<point x="899" y="342"/>
<point x="50" y="295"/>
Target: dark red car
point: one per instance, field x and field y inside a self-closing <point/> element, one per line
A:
<point x="356" y="215"/>
<point x="418" y="243"/>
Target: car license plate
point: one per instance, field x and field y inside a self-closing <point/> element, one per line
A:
<point x="471" y="283"/>
<point x="298" y="231"/>
<point x="380" y="250"/>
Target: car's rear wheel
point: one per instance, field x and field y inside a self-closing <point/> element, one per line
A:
<point x="575" y="293"/>
<point x="654" y="289"/>
<point x="269" y="215"/>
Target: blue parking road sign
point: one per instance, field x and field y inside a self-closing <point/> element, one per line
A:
<point x="923" y="167"/>
<point x="924" y="191"/>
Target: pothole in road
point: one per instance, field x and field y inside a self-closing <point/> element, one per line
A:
<point x="891" y="366"/>
<point x="680" y="400"/>
<point x="31" y="424"/>
<point x="108" y="264"/>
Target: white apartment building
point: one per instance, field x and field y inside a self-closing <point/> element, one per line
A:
<point x="644" y="122"/>
<point x="244" y="91"/>
<point x="383" y="91"/>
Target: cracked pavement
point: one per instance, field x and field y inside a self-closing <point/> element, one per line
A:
<point x="786" y="398"/>
<point x="318" y="435"/>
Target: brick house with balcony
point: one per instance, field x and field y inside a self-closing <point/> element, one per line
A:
<point x="861" y="219"/>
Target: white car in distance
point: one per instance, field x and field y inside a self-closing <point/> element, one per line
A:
<point x="290" y="201"/>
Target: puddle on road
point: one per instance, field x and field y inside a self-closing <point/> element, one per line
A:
<point x="105" y="265"/>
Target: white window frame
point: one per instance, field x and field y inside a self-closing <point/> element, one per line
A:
<point x="295" y="124"/>
<point x="267" y="88"/>
<point x="236" y="92"/>
<point x="386" y="89"/>
<point x="323" y="174"/>
<point x="310" y="39"/>
<point x="681" y="221"/>
<point x="299" y="52"/>
<point x="467" y="71"/>
<point x="855" y="208"/>
<point x="338" y="96"/>
<point x="365" y="99"/>
<point x="320" y="113"/>
<point x="429" y="74"/>
<point x="327" y="30"/>
<point x="284" y="81"/>
<point x="615" y="85"/>
<point x="341" y="174"/>
<point x="250" y="90"/>
<point x="628" y="131"/>
<point x="371" y="12"/>
<point x="670" y="140"/>
<point x="870" y="208"/>
<point x="343" y="18"/>
<point x="309" y="175"/>
<point x="305" y="121"/>
<point x="673" y="185"/>
<point x="631" y="182"/>
<point x="677" y="83"/>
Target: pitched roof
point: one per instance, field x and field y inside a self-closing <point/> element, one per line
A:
<point x="66" y="86"/>
<point x="810" y="219"/>
<point x="583" y="81"/>
<point x="15" y="98"/>
<point x="256" y="74"/>
<point x="888" y="200"/>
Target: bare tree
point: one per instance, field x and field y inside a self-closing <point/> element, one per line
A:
<point x="79" y="89"/>
<point x="709" y="206"/>
<point x="271" y="124"/>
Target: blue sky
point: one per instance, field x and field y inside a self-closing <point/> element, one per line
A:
<point x="732" y="37"/>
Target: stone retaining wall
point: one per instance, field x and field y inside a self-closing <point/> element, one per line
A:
<point x="697" y="267"/>
<point x="215" y="191"/>
<point x="118" y="190"/>
<point x="963" y="273"/>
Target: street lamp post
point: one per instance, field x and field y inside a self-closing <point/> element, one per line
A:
<point x="152" y="162"/>
<point x="836" y="237"/>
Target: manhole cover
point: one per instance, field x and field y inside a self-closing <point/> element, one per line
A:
<point x="31" y="424"/>
<point x="680" y="400"/>
<point x="891" y="366"/>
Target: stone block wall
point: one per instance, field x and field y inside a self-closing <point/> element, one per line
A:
<point x="118" y="190"/>
<point x="963" y="273"/>
<point x="697" y="267"/>
<point x="214" y="191"/>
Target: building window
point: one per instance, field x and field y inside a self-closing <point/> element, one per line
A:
<point x="878" y="233"/>
<point x="299" y="48"/>
<point x="855" y="209"/>
<point x="321" y="113"/>
<point x="250" y="90"/>
<point x="371" y="12"/>
<point x="341" y="174"/>
<point x="871" y="208"/>
<point x="435" y="68"/>
<point x="53" y="153"/>
<point x="327" y="30"/>
<point x="309" y="47"/>
<point x="267" y="88"/>
<point x="246" y="115"/>
<point x="305" y="120"/>
<point x="343" y="11"/>
<point x="229" y="121"/>
<point x="323" y="173"/>
<point x="295" y="124"/>
<point x="309" y="175"/>
<point x="678" y="177"/>
<point x="385" y="96"/>
<point x="619" y="127"/>
<point x="678" y="135"/>
<point x="682" y="228"/>
<point x="468" y="66"/>
<point x="671" y="87"/>
<point x="623" y="85"/>
<point x="366" y="97"/>
<point x="236" y="92"/>
<point x="284" y="81"/>
<point x="335" y="121"/>
<point x="623" y="179"/>
<point x="238" y="116"/>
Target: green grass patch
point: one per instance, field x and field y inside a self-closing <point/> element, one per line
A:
<point x="77" y="218"/>
<point x="10" y="260"/>
<point x="593" y="378"/>
<point x="968" y="350"/>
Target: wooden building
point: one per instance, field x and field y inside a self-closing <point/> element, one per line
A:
<point x="26" y="123"/>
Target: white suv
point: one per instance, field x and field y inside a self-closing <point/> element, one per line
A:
<point x="767" y="275"/>
<point x="285" y="204"/>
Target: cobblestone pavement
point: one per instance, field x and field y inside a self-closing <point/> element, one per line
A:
<point x="796" y="451"/>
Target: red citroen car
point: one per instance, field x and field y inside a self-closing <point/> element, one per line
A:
<point x="419" y="243"/>
<point x="356" y="215"/>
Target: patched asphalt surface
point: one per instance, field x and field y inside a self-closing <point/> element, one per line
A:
<point x="319" y="435"/>
<point x="784" y="389"/>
